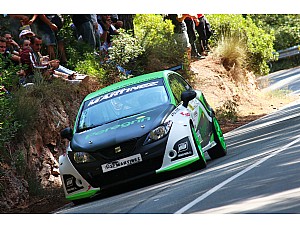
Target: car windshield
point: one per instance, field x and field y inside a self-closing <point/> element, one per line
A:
<point x="122" y="103"/>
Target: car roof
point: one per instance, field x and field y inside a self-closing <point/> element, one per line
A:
<point x="128" y="82"/>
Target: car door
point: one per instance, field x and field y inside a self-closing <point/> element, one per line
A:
<point x="196" y="111"/>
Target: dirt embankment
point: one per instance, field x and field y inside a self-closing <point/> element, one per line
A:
<point x="219" y="87"/>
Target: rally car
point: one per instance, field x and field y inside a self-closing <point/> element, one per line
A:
<point x="144" y="125"/>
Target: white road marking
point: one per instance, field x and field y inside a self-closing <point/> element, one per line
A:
<point x="278" y="199"/>
<point x="217" y="187"/>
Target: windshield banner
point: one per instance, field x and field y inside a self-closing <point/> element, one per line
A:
<point x="121" y="92"/>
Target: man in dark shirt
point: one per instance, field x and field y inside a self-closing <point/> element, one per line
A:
<point x="84" y="28"/>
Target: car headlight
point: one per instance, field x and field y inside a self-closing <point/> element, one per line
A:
<point x="159" y="132"/>
<point x="83" y="157"/>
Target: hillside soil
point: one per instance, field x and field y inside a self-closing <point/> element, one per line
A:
<point x="218" y="86"/>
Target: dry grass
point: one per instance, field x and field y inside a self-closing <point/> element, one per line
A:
<point x="232" y="52"/>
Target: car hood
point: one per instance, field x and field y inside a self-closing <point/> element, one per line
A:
<point x="120" y="130"/>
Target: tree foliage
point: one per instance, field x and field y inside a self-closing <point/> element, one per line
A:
<point x="286" y="28"/>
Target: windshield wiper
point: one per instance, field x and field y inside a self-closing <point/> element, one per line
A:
<point x="88" y="128"/>
<point x="122" y="118"/>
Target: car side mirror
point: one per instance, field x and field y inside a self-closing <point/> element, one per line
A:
<point x="67" y="133"/>
<point x="187" y="96"/>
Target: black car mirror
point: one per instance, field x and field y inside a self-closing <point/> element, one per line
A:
<point x="187" y="96"/>
<point x="67" y="133"/>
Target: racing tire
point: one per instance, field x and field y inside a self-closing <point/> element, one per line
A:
<point x="220" y="149"/>
<point x="201" y="163"/>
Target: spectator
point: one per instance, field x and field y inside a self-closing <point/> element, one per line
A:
<point x="31" y="58"/>
<point x="48" y="68"/>
<point x="107" y="30"/>
<point x="49" y="26"/>
<point x="14" y="57"/>
<point x="103" y="30"/>
<point x="2" y="46"/>
<point x="4" y="55"/>
<point x="84" y="28"/>
<point x="14" y="22"/>
<point x="191" y="23"/>
<point x="26" y="34"/>
<point x="95" y="30"/>
<point x="203" y="30"/>
<point x="180" y="31"/>
<point x="209" y="33"/>
<point x="116" y="22"/>
<point x="24" y="52"/>
<point x="11" y="45"/>
<point x="112" y="28"/>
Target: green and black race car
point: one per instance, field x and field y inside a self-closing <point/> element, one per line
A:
<point x="148" y="124"/>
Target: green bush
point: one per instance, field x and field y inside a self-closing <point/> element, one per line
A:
<point x="286" y="28"/>
<point x="125" y="48"/>
<point x="157" y="38"/>
<point x="228" y="112"/>
<point x="152" y="30"/>
<point x="90" y="65"/>
<point x="259" y="43"/>
<point x="8" y="74"/>
<point x="9" y="124"/>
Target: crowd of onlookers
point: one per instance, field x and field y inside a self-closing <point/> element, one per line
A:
<point x="22" y="42"/>
<point x="185" y="28"/>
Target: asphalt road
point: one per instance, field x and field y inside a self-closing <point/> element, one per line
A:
<point x="260" y="174"/>
<point x="284" y="80"/>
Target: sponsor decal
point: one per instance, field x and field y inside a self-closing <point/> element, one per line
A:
<point x="191" y="106"/>
<point x="121" y="163"/>
<point x="70" y="184"/>
<point x="185" y="113"/>
<point x="183" y="148"/>
<point x="139" y="119"/>
<point x="175" y="111"/>
<point x="121" y="92"/>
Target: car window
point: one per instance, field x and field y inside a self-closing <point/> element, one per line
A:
<point x="178" y="85"/>
<point x="124" y="102"/>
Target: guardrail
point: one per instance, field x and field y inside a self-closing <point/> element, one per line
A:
<point x="288" y="52"/>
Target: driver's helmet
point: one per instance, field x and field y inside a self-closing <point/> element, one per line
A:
<point x="117" y="103"/>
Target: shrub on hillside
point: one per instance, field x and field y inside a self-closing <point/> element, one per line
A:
<point x="232" y="52"/>
<point x="157" y="38"/>
<point x="286" y="29"/>
<point x="259" y="43"/>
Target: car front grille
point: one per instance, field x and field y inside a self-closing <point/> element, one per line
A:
<point x="117" y="151"/>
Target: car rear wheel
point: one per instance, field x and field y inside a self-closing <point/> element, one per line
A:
<point x="201" y="163"/>
<point x="220" y="149"/>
